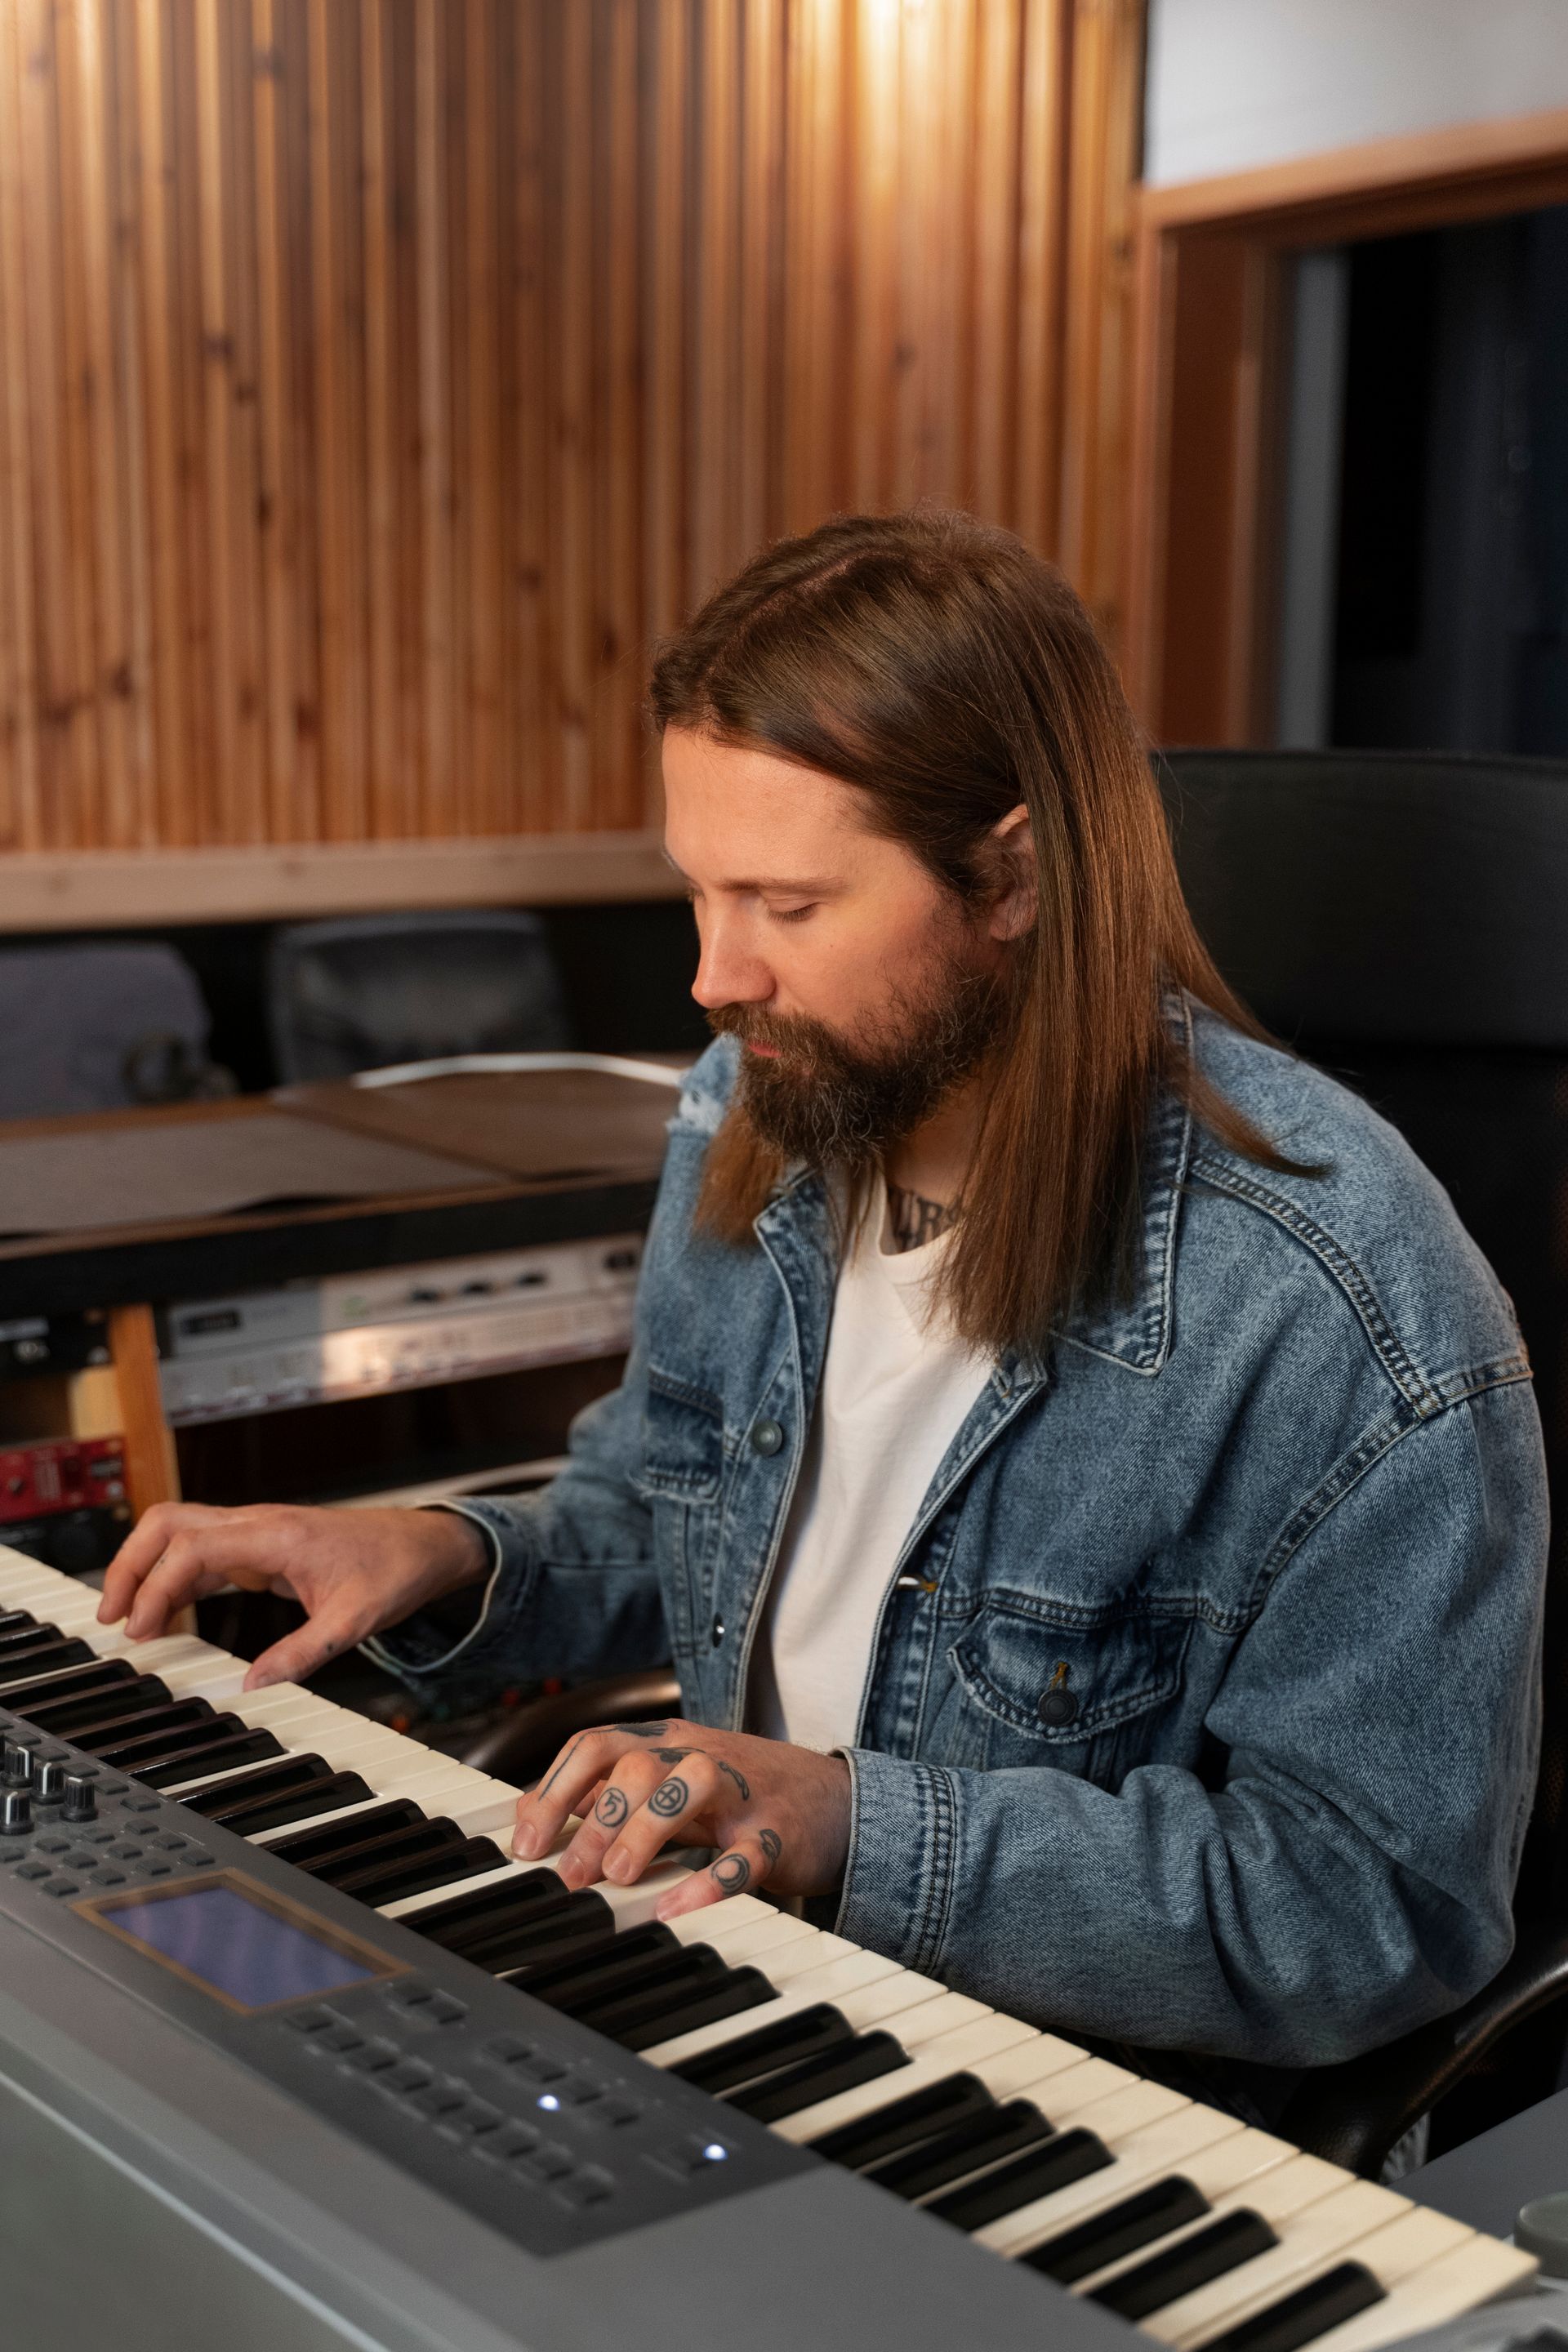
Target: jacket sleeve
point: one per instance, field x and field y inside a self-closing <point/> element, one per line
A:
<point x="574" y="1585"/>
<point x="1350" y="1875"/>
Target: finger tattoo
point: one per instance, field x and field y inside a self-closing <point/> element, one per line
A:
<point x="733" y="1872"/>
<point x="644" y="1730"/>
<point x="738" y="1778"/>
<point x="673" y="1755"/>
<point x="561" y="1767"/>
<point x="669" y="1798"/>
<point x="771" y="1846"/>
<point x="612" y="1808"/>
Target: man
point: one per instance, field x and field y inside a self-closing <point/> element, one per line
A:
<point x="1086" y="1477"/>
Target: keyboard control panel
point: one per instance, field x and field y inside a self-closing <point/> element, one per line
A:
<point x="546" y="2130"/>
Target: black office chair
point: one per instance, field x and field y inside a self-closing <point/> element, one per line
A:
<point x="363" y="992"/>
<point x="1402" y="919"/>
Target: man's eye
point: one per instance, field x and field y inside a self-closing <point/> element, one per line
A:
<point x="792" y="914"/>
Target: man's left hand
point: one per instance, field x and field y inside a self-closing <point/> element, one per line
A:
<point x="777" y="1816"/>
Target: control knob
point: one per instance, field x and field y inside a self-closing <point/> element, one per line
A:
<point x="18" y="1764"/>
<point x="51" y="1786"/>
<point x="17" y="1815"/>
<point x="81" y="1804"/>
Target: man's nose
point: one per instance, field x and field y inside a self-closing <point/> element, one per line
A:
<point x="728" y="972"/>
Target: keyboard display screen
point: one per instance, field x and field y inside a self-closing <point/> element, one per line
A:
<point x="238" y="1947"/>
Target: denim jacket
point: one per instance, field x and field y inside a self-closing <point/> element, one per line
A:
<point x="1272" y="1532"/>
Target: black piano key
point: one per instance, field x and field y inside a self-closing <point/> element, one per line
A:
<point x="700" y="1965"/>
<point x="1119" y="2231"/>
<point x="389" y="1882"/>
<point x="15" y="1621"/>
<point x="46" y="1658"/>
<point x="1302" y="2317"/>
<point x="1070" y="2157"/>
<point x="250" y="1817"/>
<point x="243" y="1747"/>
<point x="129" y="1720"/>
<point x="663" y="1981"/>
<point x="98" y="1675"/>
<point x="211" y="1798"/>
<point x="768" y="2050"/>
<point x="729" y="1995"/>
<point x="136" y="1723"/>
<point x="531" y="1894"/>
<point x="1225" y="2245"/>
<point x="71" y="1710"/>
<point x="904" y="2123"/>
<point x="281" y="1786"/>
<point x="382" y="1846"/>
<point x="149" y="1737"/>
<point x="583" y="1925"/>
<point x="868" y="2057"/>
<point x="979" y="2141"/>
<point x="643" y="1955"/>
<point x="306" y="1846"/>
<point x="14" y="1639"/>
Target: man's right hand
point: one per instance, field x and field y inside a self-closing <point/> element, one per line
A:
<point x="352" y="1571"/>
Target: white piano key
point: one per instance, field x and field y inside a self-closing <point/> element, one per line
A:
<point x="1481" y="2272"/>
<point x="1411" y="2239"/>
<point x="1311" y="2238"/>
<point x="1214" y="2152"/>
<point x="760" y="1943"/>
<point x="816" y="1949"/>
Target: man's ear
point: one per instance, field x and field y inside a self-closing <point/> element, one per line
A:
<point x="1012" y="845"/>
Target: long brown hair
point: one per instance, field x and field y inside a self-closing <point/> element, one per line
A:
<point x="948" y="674"/>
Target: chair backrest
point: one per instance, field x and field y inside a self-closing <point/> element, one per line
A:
<point x="98" y="1027"/>
<point x="372" y="990"/>
<point x="1402" y="919"/>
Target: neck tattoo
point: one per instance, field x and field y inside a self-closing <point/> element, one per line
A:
<point x="915" y="1219"/>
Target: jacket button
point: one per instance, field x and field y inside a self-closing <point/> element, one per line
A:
<point x="717" y="1631"/>
<point x="1057" y="1709"/>
<point x="767" y="1436"/>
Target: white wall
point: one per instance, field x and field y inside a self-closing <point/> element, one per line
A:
<point x="1236" y="83"/>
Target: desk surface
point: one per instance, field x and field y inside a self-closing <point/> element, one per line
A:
<point x="204" y="1197"/>
<point x="1484" y="2182"/>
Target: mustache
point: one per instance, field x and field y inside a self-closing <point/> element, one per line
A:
<point x="793" y="1034"/>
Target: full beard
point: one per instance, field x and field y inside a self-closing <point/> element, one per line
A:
<point x="840" y="1101"/>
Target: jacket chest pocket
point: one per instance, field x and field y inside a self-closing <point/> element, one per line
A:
<point x="680" y="1478"/>
<point x="1082" y="1690"/>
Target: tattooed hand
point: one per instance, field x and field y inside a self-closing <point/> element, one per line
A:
<point x="776" y="1816"/>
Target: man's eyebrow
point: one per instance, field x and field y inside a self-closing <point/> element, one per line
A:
<point x="810" y="886"/>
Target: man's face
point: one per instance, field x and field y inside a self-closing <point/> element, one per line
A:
<point x="860" y="990"/>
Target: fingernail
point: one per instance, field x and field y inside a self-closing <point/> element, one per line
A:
<point x="571" y="1872"/>
<point x="525" y="1843"/>
<point x="617" y="1866"/>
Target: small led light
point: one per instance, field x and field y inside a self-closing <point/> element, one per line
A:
<point x="714" y="2153"/>
<point x="549" y="2101"/>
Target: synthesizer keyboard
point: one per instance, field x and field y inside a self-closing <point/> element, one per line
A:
<point x="275" y="2004"/>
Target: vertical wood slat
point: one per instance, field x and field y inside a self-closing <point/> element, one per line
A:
<point x="380" y="377"/>
<point x="21" y="821"/>
<point x="435" y="458"/>
<point x="113" y="680"/>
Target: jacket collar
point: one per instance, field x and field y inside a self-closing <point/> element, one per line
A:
<point x="1136" y="1330"/>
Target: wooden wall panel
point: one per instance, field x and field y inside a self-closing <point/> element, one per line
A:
<point x="379" y="378"/>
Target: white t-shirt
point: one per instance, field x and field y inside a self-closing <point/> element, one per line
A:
<point x="896" y="1389"/>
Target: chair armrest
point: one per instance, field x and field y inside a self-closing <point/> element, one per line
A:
<point x="1353" y="2114"/>
<point x="519" y="1748"/>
